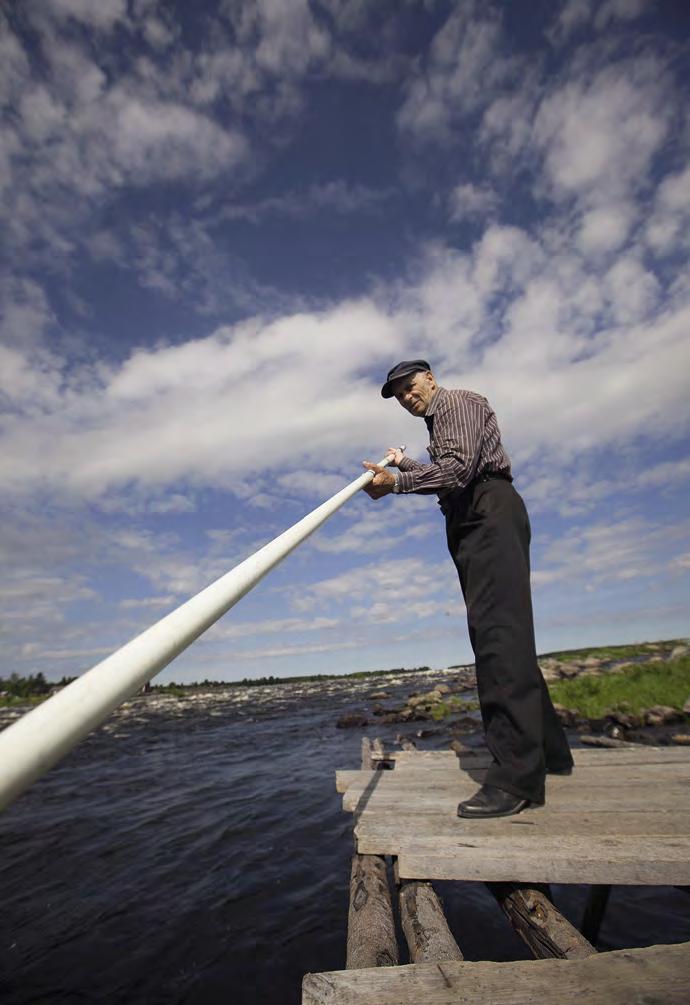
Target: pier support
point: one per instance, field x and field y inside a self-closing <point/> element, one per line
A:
<point x="429" y="938"/>
<point x="539" y="924"/>
<point x="371" y="940"/>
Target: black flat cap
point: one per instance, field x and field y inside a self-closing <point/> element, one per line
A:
<point x="403" y="369"/>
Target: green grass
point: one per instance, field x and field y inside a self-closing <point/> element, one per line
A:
<point x="10" y="700"/>
<point x="452" y="706"/>
<point x="631" y="690"/>
<point x="623" y="652"/>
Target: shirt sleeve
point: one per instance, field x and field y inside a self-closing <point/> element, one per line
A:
<point x="458" y="429"/>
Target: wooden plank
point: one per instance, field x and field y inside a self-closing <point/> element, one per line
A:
<point x="660" y="974"/>
<point x="424" y="925"/>
<point x="640" y="753"/>
<point x="445" y="800"/>
<point x="539" y="924"/>
<point x="659" y="861"/>
<point x="598" y="776"/>
<point x="371" y="940"/>
<point x="383" y="833"/>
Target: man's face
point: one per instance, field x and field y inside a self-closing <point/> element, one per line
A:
<point x="415" y="392"/>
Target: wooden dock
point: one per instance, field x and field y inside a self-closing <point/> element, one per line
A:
<point x="623" y="817"/>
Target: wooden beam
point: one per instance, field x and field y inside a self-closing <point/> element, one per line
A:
<point x="367" y="762"/>
<point x="371" y="940"/>
<point x="535" y="919"/>
<point x="428" y="936"/>
<point x="659" y="974"/>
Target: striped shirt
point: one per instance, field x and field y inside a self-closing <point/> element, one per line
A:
<point x="465" y="443"/>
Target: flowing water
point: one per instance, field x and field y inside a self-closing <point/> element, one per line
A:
<point x="195" y="851"/>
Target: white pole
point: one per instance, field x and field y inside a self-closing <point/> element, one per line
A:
<point x="32" y="745"/>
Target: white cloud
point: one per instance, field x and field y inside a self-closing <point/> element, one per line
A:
<point x="575" y="14"/>
<point x="102" y="15"/>
<point x="598" y="136"/>
<point x="467" y="200"/>
<point x="604" y="229"/>
<point x="601" y="552"/>
<point x="464" y="66"/>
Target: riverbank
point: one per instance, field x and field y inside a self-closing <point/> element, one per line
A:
<point x="626" y="693"/>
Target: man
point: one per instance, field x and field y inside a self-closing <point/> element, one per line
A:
<point x="488" y="536"/>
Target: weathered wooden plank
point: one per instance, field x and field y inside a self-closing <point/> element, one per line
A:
<point x="583" y="777"/>
<point x="658" y="862"/>
<point x="366" y="758"/>
<point x="424" y="925"/>
<point x="445" y="800"/>
<point x="371" y="940"/>
<point x="539" y="924"/>
<point x="383" y="833"/>
<point x="640" y="753"/>
<point x="660" y="974"/>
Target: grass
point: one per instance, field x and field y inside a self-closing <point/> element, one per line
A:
<point x="10" y="700"/>
<point x="452" y="706"/>
<point x="631" y="690"/>
<point x="622" y="652"/>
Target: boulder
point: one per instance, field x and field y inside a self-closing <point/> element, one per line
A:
<point x="352" y="720"/>
<point x="379" y="696"/>
<point x="567" y="716"/>
<point x="686" y="707"/>
<point x="678" y="651"/>
<point x="442" y="689"/>
<point x="624" y="719"/>
<point x="682" y="739"/>
<point x="659" y="715"/>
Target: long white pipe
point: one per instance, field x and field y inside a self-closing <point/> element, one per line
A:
<point x="32" y="745"/>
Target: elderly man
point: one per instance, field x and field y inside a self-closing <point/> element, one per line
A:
<point x="488" y="536"/>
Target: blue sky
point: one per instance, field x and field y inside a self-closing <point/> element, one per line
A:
<point x="223" y="222"/>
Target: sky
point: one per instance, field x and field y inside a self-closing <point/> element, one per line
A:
<point x="223" y="222"/>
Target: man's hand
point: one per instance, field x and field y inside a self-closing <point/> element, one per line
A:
<point x="395" y="455"/>
<point x="383" y="481"/>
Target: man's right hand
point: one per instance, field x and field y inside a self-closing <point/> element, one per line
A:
<point x="394" y="457"/>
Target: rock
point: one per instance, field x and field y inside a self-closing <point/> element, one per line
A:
<point x="682" y="739"/>
<point x="602" y="741"/>
<point x="591" y="662"/>
<point x="430" y="698"/>
<point x="379" y="696"/>
<point x="659" y="715"/>
<point x="623" y="719"/>
<point x="442" y="689"/>
<point x="567" y="716"/>
<point x="679" y="651"/>
<point x="686" y="707"/>
<point x="378" y="710"/>
<point x="568" y="671"/>
<point x="351" y="720"/>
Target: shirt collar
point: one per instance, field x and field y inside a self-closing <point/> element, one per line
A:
<point x="435" y="401"/>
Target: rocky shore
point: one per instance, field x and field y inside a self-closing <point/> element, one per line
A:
<point x="450" y="708"/>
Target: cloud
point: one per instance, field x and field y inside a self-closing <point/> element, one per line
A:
<point x="599" y="134"/>
<point x="464" y="66"/>
<point x="336" y="196"/>
<point x="632" y="549"/>
<point x="575" y="14"/>
<point x="467" y="200"/>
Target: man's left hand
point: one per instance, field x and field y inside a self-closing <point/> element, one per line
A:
<point x="383" y="481"/>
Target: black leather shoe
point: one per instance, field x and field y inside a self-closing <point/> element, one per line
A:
<point x="492" y="802"/>
<point x="560" y="771"/>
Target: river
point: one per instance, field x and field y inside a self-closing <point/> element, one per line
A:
<point x="195" y="851"/>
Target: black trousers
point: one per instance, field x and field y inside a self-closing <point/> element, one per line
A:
<point x="488" y="534"/>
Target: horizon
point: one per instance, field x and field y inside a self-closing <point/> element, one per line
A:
<point x="225" y="223"/>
